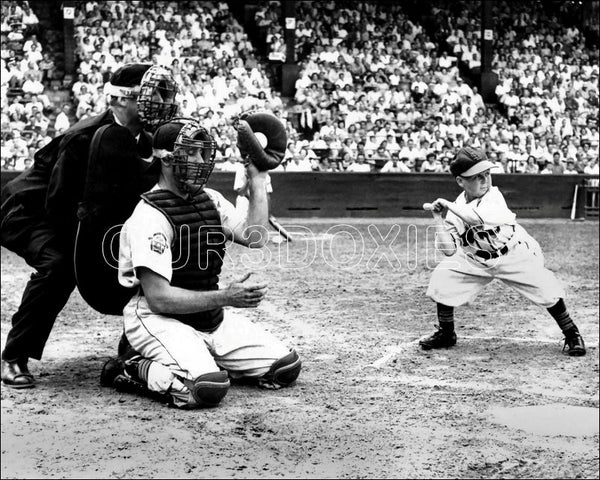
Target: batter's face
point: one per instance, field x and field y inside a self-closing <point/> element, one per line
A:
<point x="476" y="186"/>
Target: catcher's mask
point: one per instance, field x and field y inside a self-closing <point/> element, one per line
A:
<point x="190" y="150"/>
<point x="156" y="99"/>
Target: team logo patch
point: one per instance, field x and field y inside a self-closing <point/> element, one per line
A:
<point x="158" y="243"/>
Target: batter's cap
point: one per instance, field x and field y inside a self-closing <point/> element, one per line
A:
<point x="469" y="161"/>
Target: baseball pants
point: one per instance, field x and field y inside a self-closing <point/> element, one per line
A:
<point x="458" y="279"/>
<point x="238" y="346"/>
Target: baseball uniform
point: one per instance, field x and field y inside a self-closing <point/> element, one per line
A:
<point x="499" y="248"/>
<point x="178" y="350"/>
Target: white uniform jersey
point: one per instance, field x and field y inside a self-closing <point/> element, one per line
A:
<point x="498" y="227"/>
<point x="147" y="236"/>
<point x="496" y="248"/>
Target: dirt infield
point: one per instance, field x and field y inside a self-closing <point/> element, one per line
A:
<point x="368" y="403"/>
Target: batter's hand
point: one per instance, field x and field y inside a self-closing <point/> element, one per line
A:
<point x="439" y="208"/>
<point x="247" y="295"/>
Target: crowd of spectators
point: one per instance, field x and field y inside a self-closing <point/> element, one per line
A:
<point x="25" y="71"/>
<point x="202" y="43"/>
<point x="369" y="65"/>
<point x="547" y="74"/>
<point x="378" y="90"/>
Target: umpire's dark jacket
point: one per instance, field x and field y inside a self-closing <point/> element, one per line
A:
<point x="47" y="200"/>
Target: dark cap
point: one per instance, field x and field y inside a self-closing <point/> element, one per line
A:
<point x="129" y="75"/>
<point x="125" y="81"/>
<point x="469" y="161"/>
<point x="165" y="136"/>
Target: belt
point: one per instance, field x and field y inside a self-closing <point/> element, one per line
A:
<point x="489" y="255"/>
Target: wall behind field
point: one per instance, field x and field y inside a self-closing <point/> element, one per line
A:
<point x="300" y="195"/>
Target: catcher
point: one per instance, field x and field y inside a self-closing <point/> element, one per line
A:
<point x="84" y="181"/>
<point x="483" y="241"/>
<point x="185" y="339"/>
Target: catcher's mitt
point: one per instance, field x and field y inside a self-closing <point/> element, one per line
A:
<point x="261" y="137"/>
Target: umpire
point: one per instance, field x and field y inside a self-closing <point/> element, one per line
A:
<point x="42" y="207"/>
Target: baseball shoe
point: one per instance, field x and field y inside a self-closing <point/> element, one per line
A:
<point x="114" y="374"/>
<point x="439" y="339"/>
<point x="574" y="345"/>
<point x="16" y="374"/>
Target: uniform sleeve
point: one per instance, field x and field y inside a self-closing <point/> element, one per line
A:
<point x="240" y="181"/>
<point x="145" y="241"/>
<point x="492" y="209"/>
<point x="454" y="225"/>
<point x="231" y="218"/>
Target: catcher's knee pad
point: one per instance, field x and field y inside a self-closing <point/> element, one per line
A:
<point x="209" y="389"/>
<point x="283" y="372"/>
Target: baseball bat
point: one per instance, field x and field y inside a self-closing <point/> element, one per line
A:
<point x="574" y="204"/>
<point x="282" y="231"/>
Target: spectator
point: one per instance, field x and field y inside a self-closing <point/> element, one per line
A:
<point x="360" y="165"/>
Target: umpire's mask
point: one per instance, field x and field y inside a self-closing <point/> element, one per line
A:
<point x="190" y="149"/>
<point x="156" y="100"/>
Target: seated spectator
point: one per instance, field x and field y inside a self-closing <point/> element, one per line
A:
<point x="300" y="162"/>
<point x="395" y="165"/>
<point x="548" y="168"/>
<point x="359" y="165"/>
<point x="62" y="122"/>
<point x="531" y="166"/>
<point x="570" y="168"/>
<point x="592" y="167"/>
<point x="430" y="165"/>
<point x="498" y="166"/>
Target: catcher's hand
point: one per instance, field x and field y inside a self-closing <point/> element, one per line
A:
<point x="262" y="139"/>
<point x="245" y="295"/>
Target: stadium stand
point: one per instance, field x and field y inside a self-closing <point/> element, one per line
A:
<point x="390" y="81"/>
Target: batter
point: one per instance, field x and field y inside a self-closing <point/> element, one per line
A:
<point x="482" y="240"/>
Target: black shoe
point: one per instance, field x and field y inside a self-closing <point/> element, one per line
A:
<point x="440" y="339"/>
<point x="15" y="374"/>
<point x="111" y="370"/>
<point x="576" y="347"/>
<point x="124" y="345"/>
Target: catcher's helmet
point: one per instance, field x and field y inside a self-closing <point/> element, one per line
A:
<point x="191" y="150"/>
<point x="156" y="100"/>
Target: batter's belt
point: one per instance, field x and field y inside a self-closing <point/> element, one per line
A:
<point x="490" y="255"/>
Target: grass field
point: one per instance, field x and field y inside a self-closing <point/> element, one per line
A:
<point x="349" y="294"/>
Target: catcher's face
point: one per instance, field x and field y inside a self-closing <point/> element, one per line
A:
<point x="193" y="162"/>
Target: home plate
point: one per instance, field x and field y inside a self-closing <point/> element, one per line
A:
<point x="551" y="420"/>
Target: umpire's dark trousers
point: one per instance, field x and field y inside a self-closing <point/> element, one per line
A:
<point x="45" y="295"/>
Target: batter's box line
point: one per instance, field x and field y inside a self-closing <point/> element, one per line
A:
<point x="549" y="341"/>
<point x="394" y="350"/>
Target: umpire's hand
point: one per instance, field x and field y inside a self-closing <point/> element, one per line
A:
<point x="243" y="295"/>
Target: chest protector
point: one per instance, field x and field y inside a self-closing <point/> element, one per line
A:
<point x="198" y="248"/>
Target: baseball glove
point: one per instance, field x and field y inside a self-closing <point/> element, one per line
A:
<point x="262" y="138"/>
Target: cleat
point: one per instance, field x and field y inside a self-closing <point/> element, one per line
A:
<point x="440" y="339"/>
<point x="574" y="346"/>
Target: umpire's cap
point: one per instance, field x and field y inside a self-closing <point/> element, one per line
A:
<point x="469" y="161"/>
<point x="125" y="81"/>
